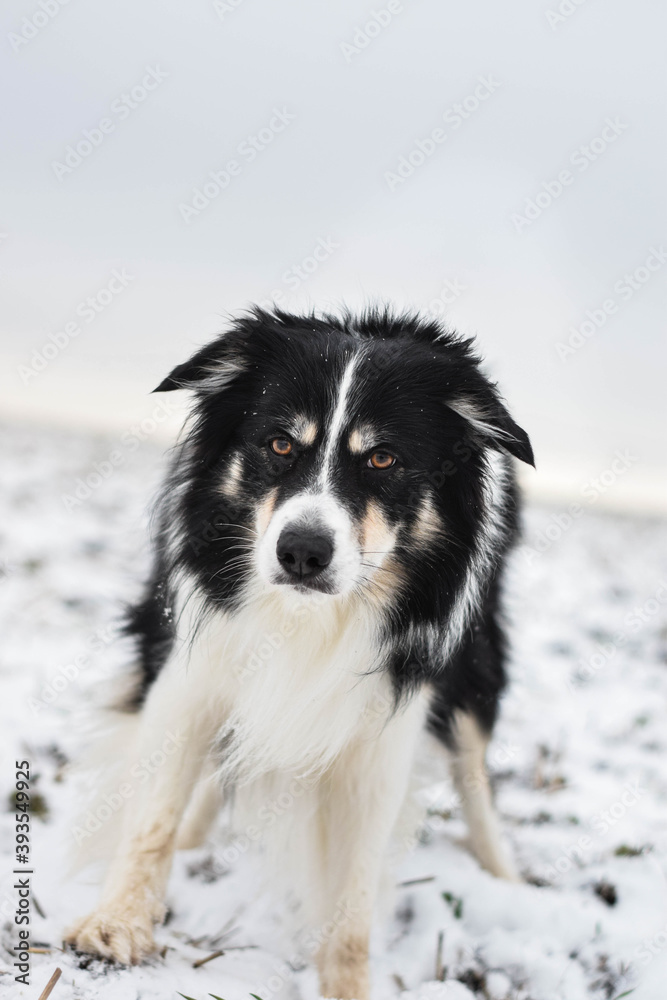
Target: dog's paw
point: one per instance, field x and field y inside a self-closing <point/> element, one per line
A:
<point x="118" y="935"/>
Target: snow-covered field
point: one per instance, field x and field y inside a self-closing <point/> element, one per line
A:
<point x="579" y="763"/>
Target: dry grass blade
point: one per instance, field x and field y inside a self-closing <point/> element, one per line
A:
<point x="400" y="982"/>
<point x="209" y="958"/>
<point x="46" y="992"/>
<point x="439" y="967"/>
<point x="416" y="881"/>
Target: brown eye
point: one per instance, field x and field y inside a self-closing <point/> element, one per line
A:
<point x="281" y="446"/>
<point x="381" y="460"/>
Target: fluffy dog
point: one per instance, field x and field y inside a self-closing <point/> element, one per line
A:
<point x="325" y="590"/>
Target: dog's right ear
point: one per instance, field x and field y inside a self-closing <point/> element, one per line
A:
<point x="209" y="370"/>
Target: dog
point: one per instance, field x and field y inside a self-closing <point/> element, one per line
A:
<point x="326" y="590"/>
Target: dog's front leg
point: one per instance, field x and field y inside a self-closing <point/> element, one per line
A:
<point x="174" y="735"/>
<point x="361" y="799"/>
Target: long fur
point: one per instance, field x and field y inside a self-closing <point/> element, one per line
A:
<point x="326" y="588"/>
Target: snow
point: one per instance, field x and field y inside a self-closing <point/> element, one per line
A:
<point x="578" y="764"/>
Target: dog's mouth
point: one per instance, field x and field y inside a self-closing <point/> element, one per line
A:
<point x="318" y="584"/>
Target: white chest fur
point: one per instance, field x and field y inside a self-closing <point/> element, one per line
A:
<point x="293" y="681"/>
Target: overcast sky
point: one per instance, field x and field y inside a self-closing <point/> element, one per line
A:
<point x="500" y="164"/>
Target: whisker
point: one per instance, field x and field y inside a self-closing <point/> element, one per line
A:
<point x="233" y="564"/>
<point x="240" y="538"/>
<point x="234" y="576"/>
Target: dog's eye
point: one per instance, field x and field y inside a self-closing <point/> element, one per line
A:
<point x="381" y="460"/>
<point x="281" y="446"/>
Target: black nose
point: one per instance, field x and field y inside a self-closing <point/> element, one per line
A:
<point x="303" y="553"/>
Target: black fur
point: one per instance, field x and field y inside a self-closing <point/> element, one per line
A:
<point x="476" y="676"/>
<point x="414" y="376"/>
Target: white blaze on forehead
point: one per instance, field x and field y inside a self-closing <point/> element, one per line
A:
<point x="316" y="507"/>
<point x="338" y="420"/>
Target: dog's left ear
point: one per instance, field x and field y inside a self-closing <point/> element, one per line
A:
<point x="491" y="420"/>
<point x="210" y="369"/>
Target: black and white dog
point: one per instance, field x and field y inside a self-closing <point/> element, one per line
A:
<point x="325" y="592"/>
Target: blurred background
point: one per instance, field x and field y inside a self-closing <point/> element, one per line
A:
<point x="498" y="165"/>
<point x="501" y="166"/>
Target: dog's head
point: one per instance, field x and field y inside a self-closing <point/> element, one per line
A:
<point x="340" y="455"/>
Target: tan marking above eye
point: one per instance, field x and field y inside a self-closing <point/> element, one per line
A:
<point x="362" y="439"/>
<point x="281" y="446"/>
<point x="381" y="460"/>
<point x="304" y="430"/>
